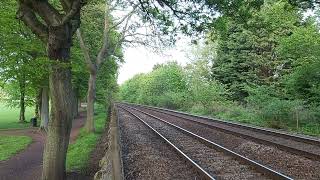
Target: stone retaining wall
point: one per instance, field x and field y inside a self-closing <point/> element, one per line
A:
<point x="111" y="163"/>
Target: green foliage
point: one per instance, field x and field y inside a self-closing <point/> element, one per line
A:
<point x="80" y="74"/>
<point x="165" y="86"/>
<point x="79" y="152"/>
<point x="206" y="93"/>
<point x="107" y="82"/>
<point x="247" y="51"/>
<point x="304" y="83"/>
<point x="11" y="145"/>
<point x="20" y="53"/>
<point x="302" y="52"/>
<point x="130" y="90"/>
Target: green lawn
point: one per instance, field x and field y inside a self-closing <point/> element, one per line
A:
<point x="9" y="117"/>
<point x="10" y="145"/>
<point x="79" y="152"/>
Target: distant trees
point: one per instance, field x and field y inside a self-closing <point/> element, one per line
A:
<point x="164" y="86"/>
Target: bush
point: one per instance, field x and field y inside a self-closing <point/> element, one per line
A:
<point x="171" y="100"/>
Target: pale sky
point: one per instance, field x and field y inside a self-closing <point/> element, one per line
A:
<point x="141" y="60"/>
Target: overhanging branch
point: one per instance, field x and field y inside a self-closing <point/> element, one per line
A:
<point x="25" y="14"/>
<point x="85" y="50"/>
<point x="74" y="10"/>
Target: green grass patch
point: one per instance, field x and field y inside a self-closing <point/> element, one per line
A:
<point x="79" y="152"/>
<point x="9" y="117"/>
<point x="10" y="145"/>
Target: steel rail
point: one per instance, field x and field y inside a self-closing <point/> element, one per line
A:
<point x="300" y="138"/>
<point x="197" y="167"/>
<point x="261" y="168"/>
<point x="267" y="142"/>
<point x="294" y="150"/>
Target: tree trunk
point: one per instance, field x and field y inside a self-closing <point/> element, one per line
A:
<point x="60" y="123"/>
<point x="44" y="114"/>
<point x="75" y="103"/>
<point x="54" y="157"/>
<point x="79" y="104"/>
<point x="75" y="107"/>
<point x="22" y="85"/>
<point x="89" y="126"/>
<point x="37" y="110"/>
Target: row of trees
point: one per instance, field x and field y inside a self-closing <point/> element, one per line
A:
<point x="24" y="65"/>
<point x="26" y="76"/>
<point x="262" y="67"/>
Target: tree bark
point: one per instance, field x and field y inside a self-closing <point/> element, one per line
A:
<point x="60" y="123"/>
<point x="37" y="110"/>
<point x="22" y="85"/>
<point x="75" y="110"/>
<point x="44" y="113"/>
<point x="79" y="104"/>
<point x="89" y="126"/>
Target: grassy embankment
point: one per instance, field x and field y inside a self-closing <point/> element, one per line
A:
<point x="79" y="152"/>
<point x="237" y="113"/>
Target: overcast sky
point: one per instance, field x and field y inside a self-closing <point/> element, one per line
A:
<point x="142" y="60"/>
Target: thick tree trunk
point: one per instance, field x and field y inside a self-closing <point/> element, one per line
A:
<point x="54" y="157"/>
<point x="60" y="123"/>
<point x="89" y="126"/>
<point x="44" y="113"/>
<point x="22" y="85"/>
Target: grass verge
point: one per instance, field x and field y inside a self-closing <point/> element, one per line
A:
<point x="10" y="145"/>
<point x="238" y="113"/>
<point x="9" y="117"/>
<point x="79" y="152"/>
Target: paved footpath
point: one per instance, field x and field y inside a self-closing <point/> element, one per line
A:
<point x="27" y="165"/>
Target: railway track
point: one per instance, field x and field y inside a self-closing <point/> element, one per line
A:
<point x="300" y="145"/>
<point x="211" y="160"/>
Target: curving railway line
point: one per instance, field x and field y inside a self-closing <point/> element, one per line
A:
<point x="211" y="160"/>
<point x="301" y="145"/>
<point x="294" y="155"/>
